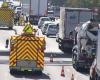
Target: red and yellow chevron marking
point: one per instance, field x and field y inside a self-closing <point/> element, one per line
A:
<point x="12" y="59"/>
<point x="28" y="48"/>
<point x="6" y="15"/>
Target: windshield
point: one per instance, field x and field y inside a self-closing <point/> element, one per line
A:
<point x="53" y="27"/>
<point x="18" y="8"/>
<point x="51" y="12"/>
<point x="46" y="19"/>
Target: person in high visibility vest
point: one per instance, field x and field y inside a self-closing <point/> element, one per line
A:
<point x="5" y="5"/>
<point x="21" y="20"/>
<point x="28" y="29"/>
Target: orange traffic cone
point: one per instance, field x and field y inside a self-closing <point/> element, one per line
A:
<point x="72" y="78"/>
<point x="51" y="58"/>
<point x="62" y="72"/>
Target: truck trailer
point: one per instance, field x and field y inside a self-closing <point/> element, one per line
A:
<point x="35" y="9"/>
<point x="69" y="19"/>
<point x="6" y="16"/>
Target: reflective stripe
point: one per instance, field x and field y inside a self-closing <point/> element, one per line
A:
<point x="27" y="48"/>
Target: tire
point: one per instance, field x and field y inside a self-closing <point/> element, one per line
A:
<point x="13" y="71"/>
<point x="75" y="64"/>
<point x="38" y="72"/>
<point x="73" y="61"/>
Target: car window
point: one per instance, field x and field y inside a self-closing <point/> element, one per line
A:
<point x="45" y="19"/>
<point x="18" y="8"/>
<point x="53" y="27"/>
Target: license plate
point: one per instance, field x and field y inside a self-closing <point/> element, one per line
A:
<point x="26" y="69"/>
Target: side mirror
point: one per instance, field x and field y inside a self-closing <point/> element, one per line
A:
<point x="7" y="43"/>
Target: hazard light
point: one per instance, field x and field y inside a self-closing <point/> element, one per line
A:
<point x="13" y="37"/>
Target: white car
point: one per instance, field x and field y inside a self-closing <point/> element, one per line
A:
<point x="42" y="20"/>
<point x="52" y="30"/>
<point x="45" y="26"/>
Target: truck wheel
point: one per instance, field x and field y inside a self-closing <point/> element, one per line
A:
<point x="74" y="61"/>
<point x="38" y="72"/>
<point x="12" y="71"/>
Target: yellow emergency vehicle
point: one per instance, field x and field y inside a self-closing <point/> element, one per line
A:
<point x="6" y="16"/>
<point x="27" y="52"/>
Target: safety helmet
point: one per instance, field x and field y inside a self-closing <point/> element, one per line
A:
<point x="5" y="5"/>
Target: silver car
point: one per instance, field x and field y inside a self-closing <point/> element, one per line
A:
<point x="42" y="20"/>
<point x="52" y="30"/>
<point x="45" y="26"/>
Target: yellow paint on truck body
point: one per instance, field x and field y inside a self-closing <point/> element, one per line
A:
<point x="6" y="17"/>
<point x="27" y="48"/>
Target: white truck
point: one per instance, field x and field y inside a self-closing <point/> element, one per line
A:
<point x="84" y="51"/>
<point x="38" y="8"/>
<point x="69" y="19"/>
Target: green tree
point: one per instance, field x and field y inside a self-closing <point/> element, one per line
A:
<point x="83" y="3"/>
<point x="58" y="2"/>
